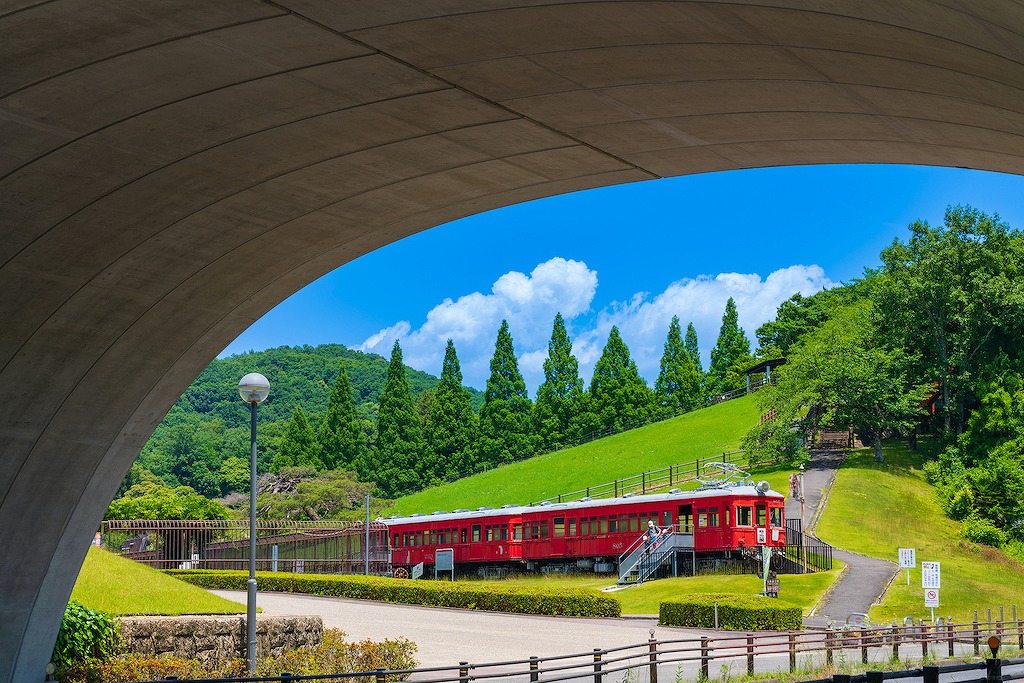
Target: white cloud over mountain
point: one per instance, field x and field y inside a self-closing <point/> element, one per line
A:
<point x="530" y="302"/>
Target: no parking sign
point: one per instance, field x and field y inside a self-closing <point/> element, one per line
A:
<point x="931" y="597"/>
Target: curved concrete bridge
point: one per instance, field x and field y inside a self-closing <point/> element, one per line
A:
<point x="172" y="169"/>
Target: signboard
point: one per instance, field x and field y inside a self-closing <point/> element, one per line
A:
<point x="300" y="566"/>
<point x="417" y="570"/>
<point x="762" y="536"/>
<point x="930" y="577"/>
<point x="931" y="597"/>
<point x="444" y="560"/>
<point x="908" y="558"/>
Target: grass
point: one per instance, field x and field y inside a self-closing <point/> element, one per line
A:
<point x="682" y="439"/>
<point x="875" y="509"/>
<point x="119" y="586"/>
<point x="801" y="591"/>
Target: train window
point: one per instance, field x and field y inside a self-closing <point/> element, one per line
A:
<point x="559" y="526"/>
<point x="489" y="533"/>
<point x="396" y="539"/>
<point x="544" y="529"/>
<point x="728" y="511"/>
<point x="517" y="532"/>
<point x="604" y="524"/>
<point x="666" y="518"/>
<point x="634" y="525"/>
<point x="572" y="527"/>
<point x="463" y="530"/>
<point x="743" y="515"/>
<point x="762" y="515"/>
<point x="702" y="517"/>
<point x="504" y="533"/>
<point x="476" y="533"/>
<point x="712" y="516"/>
<point x="405" y="539"/>
<point x="776" y="514"/>
<point x="433" y="538"/>
<point x="613" y="525"/>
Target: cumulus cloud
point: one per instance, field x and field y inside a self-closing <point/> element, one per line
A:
<point x="529" y="303"/>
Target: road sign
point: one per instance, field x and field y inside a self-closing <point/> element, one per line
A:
<point x="908" y="558"/>
<point x="930" y="576"/>
<point x="931" y="597"/>
<point x="762" y="536"/>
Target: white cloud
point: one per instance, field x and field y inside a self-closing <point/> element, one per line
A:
<point x="529" y="303"/>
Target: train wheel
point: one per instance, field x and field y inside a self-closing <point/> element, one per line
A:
<point x="400" y="573"/>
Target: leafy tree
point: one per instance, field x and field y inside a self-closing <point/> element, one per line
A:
<point x="451" y="425"/>
<point x="151" y="500"/>
<point x="619" y="397"/>
<point x="559" y="414"/>
<point x="302" y="493"/>
<point x="399" y="438"/>
<point x="506" y="433"/>
<point x="234" y="473"/>
<point x="298" y="447"/>
<point x="692" y="348"/>
<point x="731" y="354"/>
<point x="798" y="315"/>
<point x="341" y="437"/>
<point x="677" y="388"/>
<point x="954" y="295"/>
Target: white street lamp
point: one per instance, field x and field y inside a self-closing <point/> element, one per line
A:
<point x="253" y="389"/>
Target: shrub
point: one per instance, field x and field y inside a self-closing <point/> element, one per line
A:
<point x="335" y="655"/>
<point x="753" y="613"/>
<point x="84" y="634"/>
<point x="515" y="599"/>
<point x="137" y="667"/>
<point x="980" y="530"/>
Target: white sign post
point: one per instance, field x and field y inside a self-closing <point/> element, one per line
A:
<point x="931" y="599"/>
<point x="930" y="575"/>
<point x="417" y="570"/>
<point x="908" y="560"/>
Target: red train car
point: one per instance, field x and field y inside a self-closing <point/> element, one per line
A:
<point x="710" y="524"/>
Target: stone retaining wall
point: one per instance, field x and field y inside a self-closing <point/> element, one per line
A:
<point x="214" y="640"/>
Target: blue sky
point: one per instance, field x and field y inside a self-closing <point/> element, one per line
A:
<point x="631" y="255"/>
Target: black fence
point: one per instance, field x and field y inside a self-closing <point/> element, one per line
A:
<point x="805" y="550"/>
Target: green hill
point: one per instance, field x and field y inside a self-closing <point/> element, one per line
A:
<point x="682" y="439"/>
<point x="116" y="585"/>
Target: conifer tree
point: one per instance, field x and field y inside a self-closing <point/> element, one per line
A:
<point x="451" y="425"/>
<point x="619" y="397"/>
<point x="692" y="348"/>
<point x="506" y="432"/>
<point x="730" y="355"/>
<point x="558" y="414"/>
<point x="298" y="446"/>
<point x="678" y="386"/>
<point x="341" y="437"/>
<point x="399" y="438"/>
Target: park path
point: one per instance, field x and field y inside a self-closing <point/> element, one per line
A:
<point x="865" y="577"/>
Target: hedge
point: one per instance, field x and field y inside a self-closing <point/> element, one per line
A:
<point x="461" y="594"/>
<point x="735" y="613"/>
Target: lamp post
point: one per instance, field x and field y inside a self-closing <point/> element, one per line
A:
<point x="253" y="389"/>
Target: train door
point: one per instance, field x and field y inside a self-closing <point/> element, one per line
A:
<point x="476" y="546"/>
<point x="685" y="518"/>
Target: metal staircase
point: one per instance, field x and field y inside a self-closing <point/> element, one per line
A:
<point x="642" y="559"/>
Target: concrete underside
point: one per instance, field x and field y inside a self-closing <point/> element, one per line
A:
<point x="172" y="169"/>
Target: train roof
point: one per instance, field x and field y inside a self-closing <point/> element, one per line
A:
<point x="747" y="491"/>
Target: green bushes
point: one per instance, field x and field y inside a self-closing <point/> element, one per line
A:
<point x="84" y="634"/>
<point x="465" y="595"/>
<point x="753" y="613"/>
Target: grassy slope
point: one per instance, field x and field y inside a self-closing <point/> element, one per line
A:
<point x="875" y="509"/>
<point x="701" y="433"/>
<point x="115" y="585"/>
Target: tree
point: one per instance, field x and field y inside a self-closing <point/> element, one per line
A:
<point x="399" y="438"/>
<point x="677" y="388"/>
<point x="619" y="397"/>
<point x="558" y="413"/>
<point x="692" y="348"/>
<point x="301" y="493"/>
<point x="451" y="425"/>
<point x="341" y="437"/>
<point x="953" y="295"/>
<point x="152" y="500"/>
<point x="235" y="474"/>
<point x="298" y="447"/>
<point x="731" y="354"/>
<point x="506" y="433"/>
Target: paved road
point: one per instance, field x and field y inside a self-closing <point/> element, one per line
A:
<point x="866" y="577"/>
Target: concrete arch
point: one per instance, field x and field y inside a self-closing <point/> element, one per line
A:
<point x="171" y="169"/>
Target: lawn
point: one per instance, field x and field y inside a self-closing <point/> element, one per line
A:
<point x="701" y="433"/>
<point x="877" y="508"/>
<point x="117" y="586"/>
<point x="801" y="591"/>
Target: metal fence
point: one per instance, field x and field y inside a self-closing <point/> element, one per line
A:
<point x="322" y="547"/>
<point x="693" y="658"/>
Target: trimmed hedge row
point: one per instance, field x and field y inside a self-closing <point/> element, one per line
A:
<point x="735" y="613"/>
<point x="465" y="595"/>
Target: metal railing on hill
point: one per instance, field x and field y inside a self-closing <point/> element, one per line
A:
<point x="646" y="482"/>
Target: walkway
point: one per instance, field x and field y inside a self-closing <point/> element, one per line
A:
<point x="866" y="577"/>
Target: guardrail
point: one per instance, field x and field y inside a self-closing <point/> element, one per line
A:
<point x="693" y="657"/>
